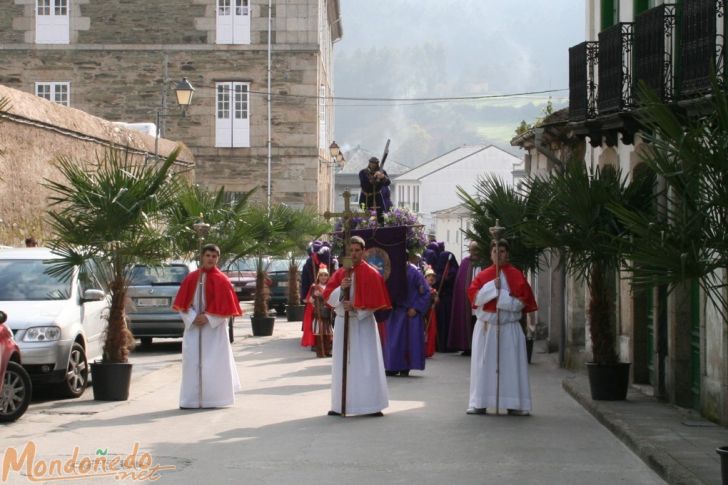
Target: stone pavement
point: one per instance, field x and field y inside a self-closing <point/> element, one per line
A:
<point x="278" y="433"/>
<point x="677" y="443"/>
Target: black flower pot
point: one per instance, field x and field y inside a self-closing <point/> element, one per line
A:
<point x="111" y="381"/>
<point x="529" y="348"/>
<point x="608" y="382"/>
<point x="262" y="326"/>
<point x="723" y="453"/>
<point x="294" y="313"/>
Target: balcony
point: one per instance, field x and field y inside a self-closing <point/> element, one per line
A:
<point x="615" y="69"/>
<point x="654" y="47"/>
<point x="701" y="53"/>
<point x="582" y="81"/>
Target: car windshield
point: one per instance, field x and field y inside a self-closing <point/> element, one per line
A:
<point x="281" y="265"/>
<point x="25" y="279"/>
<point x="169" y="274"/>
<point x="240" y="265"/>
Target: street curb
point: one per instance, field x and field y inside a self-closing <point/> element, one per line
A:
<point x="649" y="451"/>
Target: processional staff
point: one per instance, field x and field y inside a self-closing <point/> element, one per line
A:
<point x="496" y="232"/>
<point x="201" y="228"/>
<point x="346" y="217"/>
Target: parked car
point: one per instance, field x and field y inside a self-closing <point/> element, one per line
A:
<point x="278" y="274"/>
<point x="242" y="275"/>
<point x="58" y="325"/>
<point x="15" y="386"/>
<point x="151" y="292"/>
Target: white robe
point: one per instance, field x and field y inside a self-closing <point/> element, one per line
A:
<point x="219" y="374"/>
<point x="366" y="384"/>
<point x="515" y="391"/>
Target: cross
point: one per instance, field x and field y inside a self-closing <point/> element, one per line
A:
<point x="346" y="217"/>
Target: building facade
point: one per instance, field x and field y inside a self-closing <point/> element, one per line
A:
<point x="675" y="338"/>
<point x="432" y="186"/>
<point x="121" y="60"/>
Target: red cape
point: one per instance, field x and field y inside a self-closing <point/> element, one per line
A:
<point x="370" y="290"/>
<point x="220" y="298"/>
<point x="517" y="283"/>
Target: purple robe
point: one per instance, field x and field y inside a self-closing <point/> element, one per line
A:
<point x="444" y="284"/>
<point x="404" y="346"/>
<point x="461" y="324"/>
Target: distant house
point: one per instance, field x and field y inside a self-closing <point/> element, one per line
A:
<point x="348" y="176"/>
<point x="449" y="226"/>
<point x="432" y="186"/>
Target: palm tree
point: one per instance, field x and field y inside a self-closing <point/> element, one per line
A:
<point x="225" y="219"/>
<point x="497" y="200"/>
<point x="275" y="233"/>
<point x="576" y="220"/>
<point x="107" y="219"/>
<point x="688" y="240"/>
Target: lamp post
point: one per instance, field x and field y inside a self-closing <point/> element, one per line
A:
<point x="183" y="91"/>
<point x="335" y="153"/>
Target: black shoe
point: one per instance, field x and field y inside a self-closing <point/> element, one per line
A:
<point x="404" y="373"/>
<point x="375" y="415"/>
<point x="334" y="413"/>
<point x="390" y="372"/>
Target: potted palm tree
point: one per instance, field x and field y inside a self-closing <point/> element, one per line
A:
<point x="104" y="221"/>
<point x="576" y="219"/>
<point x="274" y="232"/>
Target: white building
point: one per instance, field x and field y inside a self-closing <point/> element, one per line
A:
<point x="449" y="226"/>
<point x="432" y="186"/>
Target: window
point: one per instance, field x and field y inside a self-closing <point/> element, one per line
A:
<point x="409" y="196"/>
<point x="52" y="91"/>
<point x="233" y="22"/>
<point x="232" y="122"/>
<point x="322" y="117"/>
<point x="416" y="201"/>
<point x="610" y="13"/>
<point x="51" y="22"/>
<point x="642" y="5"/>
<point x="448" y="235"/>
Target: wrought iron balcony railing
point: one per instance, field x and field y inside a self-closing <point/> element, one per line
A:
<point x="654" y="47"/>
<point x="582" y="81"/>
<point x="701" y="52"/>
<point x="615" y="68"/>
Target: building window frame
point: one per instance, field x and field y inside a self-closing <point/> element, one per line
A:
<point x="56" y="91"/>
<point x="52" y="21"/>
<point x="232" y="22"/>
<point x="232" y="114"/>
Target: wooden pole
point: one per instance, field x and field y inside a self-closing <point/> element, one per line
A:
<point x="496" y="232"/>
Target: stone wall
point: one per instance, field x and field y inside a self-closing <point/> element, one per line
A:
<point x="34" y="134"/>
<point x="119" y="54"/>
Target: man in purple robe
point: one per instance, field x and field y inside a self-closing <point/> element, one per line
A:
<point x="461" y="317"/>
<point x="404" y="346"/>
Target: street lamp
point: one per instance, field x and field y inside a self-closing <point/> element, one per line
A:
<point x="335" y="153"/>
<point x="183" y="91"/>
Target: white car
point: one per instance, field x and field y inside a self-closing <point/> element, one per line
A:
<point x="58" y="325"/>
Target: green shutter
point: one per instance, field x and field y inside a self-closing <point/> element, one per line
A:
<point x="610" y="13"/>
<point x="640" y="6"/>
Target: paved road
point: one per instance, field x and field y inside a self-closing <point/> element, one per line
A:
<point x="278" y="433"/>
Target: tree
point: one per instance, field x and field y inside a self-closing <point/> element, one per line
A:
<point x="106" y="220"/>
<point x="275" y="233"/>
<point x="687" y="240"/>
<point x="494" y="199"/>
<point x="577" y="220"/>
<point x="226" y="220"/>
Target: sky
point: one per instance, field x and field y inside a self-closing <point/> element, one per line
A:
<point x="449" y="48"/>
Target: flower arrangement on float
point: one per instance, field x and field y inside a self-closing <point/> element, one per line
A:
<point x="397" y="216"/>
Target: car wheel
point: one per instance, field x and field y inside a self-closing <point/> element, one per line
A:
<point x="146" y="341"/>
<point x="76" y="373"/>
<point x="16" y="393"/>
<point x="230" y="329"/>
